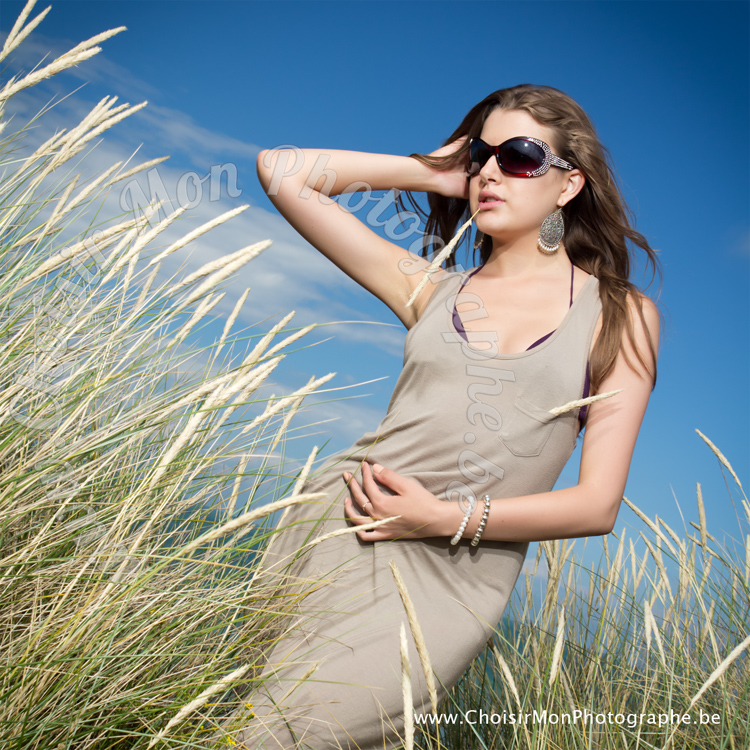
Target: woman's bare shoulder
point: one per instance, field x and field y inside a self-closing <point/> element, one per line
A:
<point x="425" y="283"/>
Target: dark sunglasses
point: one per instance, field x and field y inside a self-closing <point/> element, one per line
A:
<point x="522" y="156"/>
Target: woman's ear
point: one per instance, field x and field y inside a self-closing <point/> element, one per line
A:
<point x="572" y="185"/>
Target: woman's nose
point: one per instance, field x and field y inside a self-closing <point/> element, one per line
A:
<point x="491" y="170"/>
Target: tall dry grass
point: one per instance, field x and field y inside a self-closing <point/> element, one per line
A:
<point x="658" y="630"/>
<point x="136" y="494"/>
<point x="135" y="483"/>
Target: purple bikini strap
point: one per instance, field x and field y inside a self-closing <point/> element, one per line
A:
<point x="572" y="271"/>
<point x="544" y="338"/>
<point x="457" y="318"/>
<point x="583" y="412"/>
<point x="457" y="324"/>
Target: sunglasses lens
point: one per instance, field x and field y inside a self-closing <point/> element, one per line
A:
<point x="520" y="157"/>
<point x="479" y="152"/>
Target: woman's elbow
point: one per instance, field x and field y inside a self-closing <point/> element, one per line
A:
<point x="607" y="517"/>
<point x="277" y="165"/>
<point x="599" y="507"/>
<point x="263" y="168"/>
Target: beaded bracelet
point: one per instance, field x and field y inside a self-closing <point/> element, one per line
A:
<point x="467" y="516"/>
<point x="483" y="522"/>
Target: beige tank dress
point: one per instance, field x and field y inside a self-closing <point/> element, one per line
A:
<point x="462" y="420"/>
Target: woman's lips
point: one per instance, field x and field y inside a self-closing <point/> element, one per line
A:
<point x="489" y="200"/>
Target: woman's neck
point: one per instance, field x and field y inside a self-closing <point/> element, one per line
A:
<point x="521" y="259"/>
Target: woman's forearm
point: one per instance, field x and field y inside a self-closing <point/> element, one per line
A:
<point x="588" y="509"/>
<point x="561" y="514"/>
<point x="333" y="172"/>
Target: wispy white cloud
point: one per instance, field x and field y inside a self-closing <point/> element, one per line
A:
<point x="40" y="49"/>
<point x="289" y="275"/>
<point x="194" y="142"/>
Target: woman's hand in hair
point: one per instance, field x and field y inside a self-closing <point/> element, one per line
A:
<point x="452" y="182"/>
<point x="418" y="511"/>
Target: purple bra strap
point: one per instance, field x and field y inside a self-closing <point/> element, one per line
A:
<point x="587" y="382"/>
<point x="540" y="341"/>
<point x="462" y="331"/>
<point x="457" y="324"/>
<point x="544" y="338"/>
<point x="572" y="272"/>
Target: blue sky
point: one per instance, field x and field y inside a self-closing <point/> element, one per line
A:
<point x="666" y="84"/>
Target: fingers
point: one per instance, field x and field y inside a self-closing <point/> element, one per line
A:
<point x="369" y="496"/>
<point x="383" y="475"/>
<point x="359" y="496"/>
<point x="380" y="533"/>
<point x="368" y="482"/>
<point x="355" y="508"/>
<point x="354" y="513"/>
<point x="365" y="503"/>
<point x="366" y="535"/>
<point x="361" y="502"/>
<point x="391" y="479"/>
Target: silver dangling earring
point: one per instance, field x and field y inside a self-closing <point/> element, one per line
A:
<point x="478" y="240"/>
<point x="551" y="233"/>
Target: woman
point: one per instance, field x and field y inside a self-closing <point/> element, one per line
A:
<point x="539" y="324"/>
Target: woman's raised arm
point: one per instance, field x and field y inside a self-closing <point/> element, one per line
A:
<point x="299" y="183"/>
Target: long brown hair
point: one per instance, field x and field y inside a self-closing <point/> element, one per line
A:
<point x="597" y="221"/>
